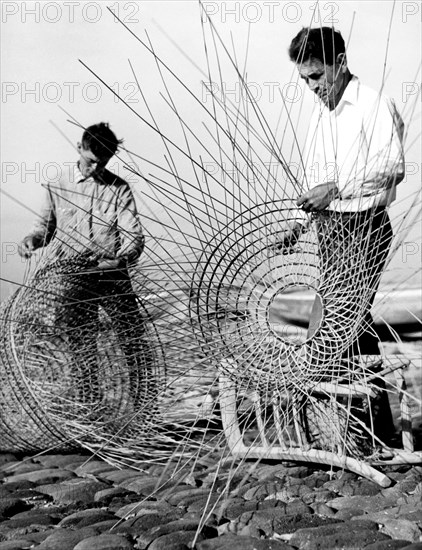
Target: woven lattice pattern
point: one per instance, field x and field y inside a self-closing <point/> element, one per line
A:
<point x="83" y="363"/>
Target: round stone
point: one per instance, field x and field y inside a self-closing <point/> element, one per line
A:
<point x="104" y="542"/>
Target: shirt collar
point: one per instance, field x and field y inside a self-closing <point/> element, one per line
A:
<point x="79" y="178"/>
<point x="350" y="94"/>
<point x="77" y="175"/>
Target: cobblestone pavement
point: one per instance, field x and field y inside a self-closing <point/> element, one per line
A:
<point x="78" y="502"/>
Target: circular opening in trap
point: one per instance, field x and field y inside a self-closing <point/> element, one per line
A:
<point x="295" y="314"/>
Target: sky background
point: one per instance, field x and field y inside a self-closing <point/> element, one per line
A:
<point x="42" y="43"/>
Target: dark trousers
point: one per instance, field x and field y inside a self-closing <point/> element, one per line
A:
<point x="353" y="249"/>
<point x="78" y="319"/>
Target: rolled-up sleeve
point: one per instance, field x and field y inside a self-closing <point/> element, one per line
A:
<point x="383" y="165"/>
<point x="132" y="240"/>
<point x="44" y="228"/>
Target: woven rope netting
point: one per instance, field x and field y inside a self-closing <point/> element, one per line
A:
<point x="139" y="370"/>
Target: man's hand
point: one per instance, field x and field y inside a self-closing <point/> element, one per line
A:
<point x="286" y="240"/>
<point x="26" y="247"/>
<point x="100" y="264"/>
<point x="319" y="197"/>
<point x="107" y="265"/>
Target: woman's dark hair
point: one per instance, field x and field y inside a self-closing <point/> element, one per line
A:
<point x="99" y="139"/>
<point x="323" y="43"/>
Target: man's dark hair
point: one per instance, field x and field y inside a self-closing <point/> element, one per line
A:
<point x="323" y="43"/>
<point x="99" y="139"/>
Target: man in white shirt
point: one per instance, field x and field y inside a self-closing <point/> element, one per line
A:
<point x="353" y="161"/>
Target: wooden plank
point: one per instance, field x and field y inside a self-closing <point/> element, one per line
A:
<point x="406" y="416"/>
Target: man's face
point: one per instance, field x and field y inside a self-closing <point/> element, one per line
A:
<point x="90" y="164"/>
<point x="328" y="82"/>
